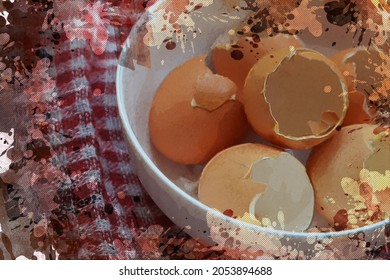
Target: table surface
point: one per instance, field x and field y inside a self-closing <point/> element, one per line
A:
<point x="67" y="181"/>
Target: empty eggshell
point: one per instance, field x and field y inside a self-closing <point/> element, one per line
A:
<point x="363" y="68"/>
<point x="234" y="59"/>
<point x="192" y="116"/>
<point x="365" y="71"/>
<point x="295" y="98"/>
<point x="259" y="184"/>
<point x="350" y="174"/>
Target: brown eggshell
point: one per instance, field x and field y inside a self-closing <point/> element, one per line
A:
<point x="346" y="69"/>
<point x="188" y="134"/>
<point x="259" y="184"/>
<point x="336" y="169"/>
<point x="365" y="70"/>
<point x="225" y="184"/>
<point x="295" y="98"/>
<point x="235" y="61"/>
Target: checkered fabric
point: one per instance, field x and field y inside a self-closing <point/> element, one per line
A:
<point x="91" y="147"/>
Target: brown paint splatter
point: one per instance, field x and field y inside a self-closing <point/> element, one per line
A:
<point x="170" y="45"/>
<point x="228" y="212"/>
<point x="341" y="220"/>
<point x="237" y="55"/>
<point x="341" y="12"/>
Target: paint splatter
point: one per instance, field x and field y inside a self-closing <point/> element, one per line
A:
<point x="92" y="27"/>
<point x="6" y="143"/>
<point x="173" y="19"/>
<point x="48" y="208"/>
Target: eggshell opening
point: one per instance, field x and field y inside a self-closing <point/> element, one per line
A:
<point x="295" y="98"/>
<point x="312" y="93"/>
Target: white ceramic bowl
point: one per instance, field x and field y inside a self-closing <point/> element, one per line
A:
<point x="172" y="185"/>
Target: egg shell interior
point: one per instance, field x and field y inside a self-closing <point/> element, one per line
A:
<point x="304" y="109"/>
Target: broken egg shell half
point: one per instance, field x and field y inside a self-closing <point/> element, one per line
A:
<point x="183" y="131"/>
<point x="235" y="58"/>
<point x="364" y="70"/>
<point x="259" y="184"/>
<point x="295" y="98"/>
<point x="350" y="174"/>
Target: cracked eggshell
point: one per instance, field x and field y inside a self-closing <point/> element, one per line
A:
<point x="191" y="133"/>
<point x="364" y="70"/>
<point x="350" y="174"/>
<point x="235" y="58"/>
<point x="295" y="98"/>
<point x="260" y="185"/>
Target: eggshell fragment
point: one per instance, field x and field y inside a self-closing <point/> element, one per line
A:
<point x="212" y="91"/>
<point x="259" y="184"/>
<point x="350" y="174"/>
<point x="235" y="59"/>
<point x="295" y="98"/>
<point x="190" y="134"/>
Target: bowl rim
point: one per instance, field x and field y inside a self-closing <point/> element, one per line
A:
<point x="120" y="94"/>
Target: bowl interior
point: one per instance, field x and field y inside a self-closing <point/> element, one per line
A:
<point x="138" y="85"/>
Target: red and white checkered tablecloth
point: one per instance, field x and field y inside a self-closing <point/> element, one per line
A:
<point x="109" y="214"/>
<point x="100" y="207"/>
